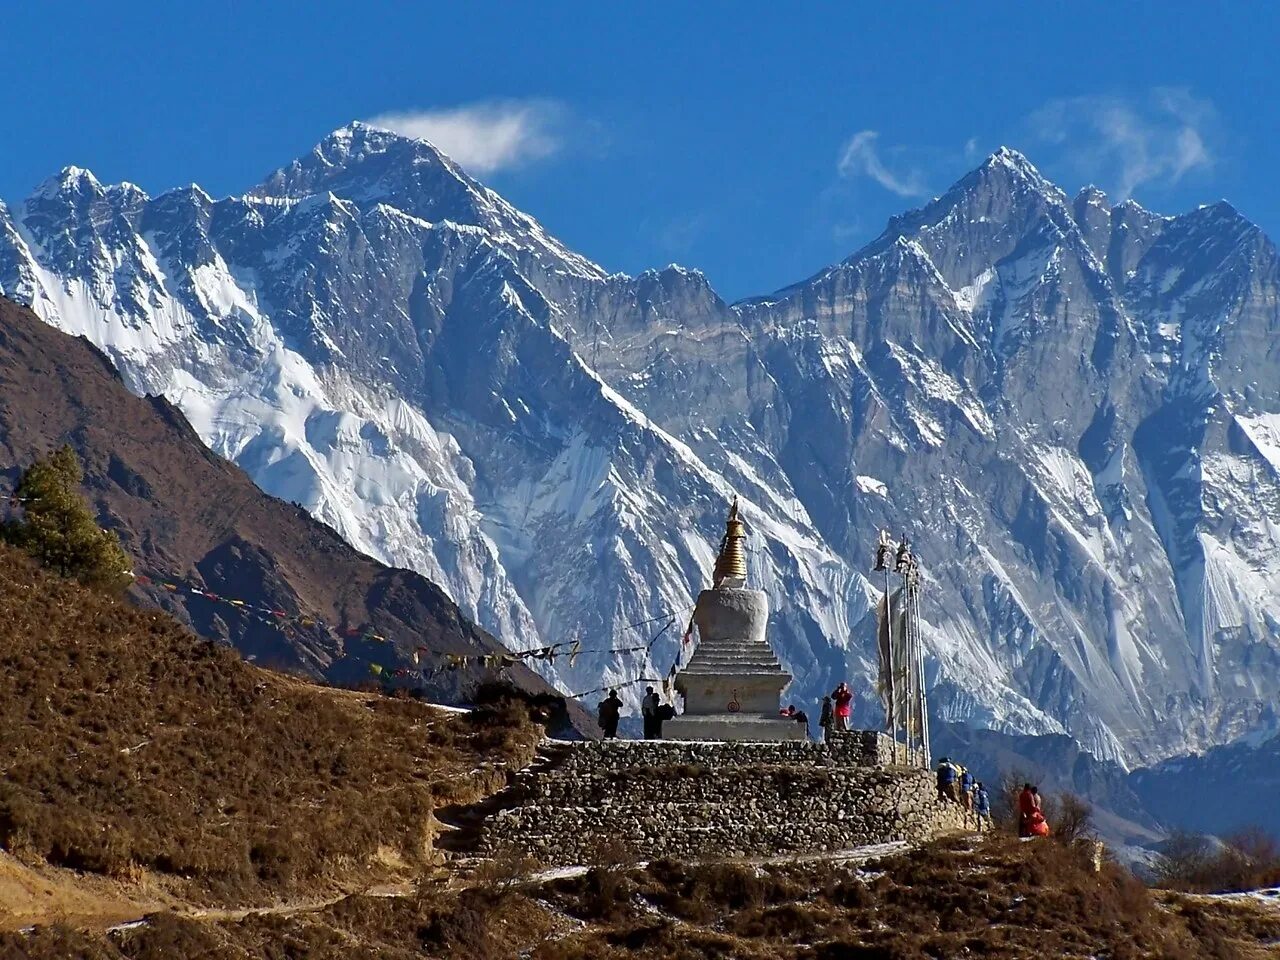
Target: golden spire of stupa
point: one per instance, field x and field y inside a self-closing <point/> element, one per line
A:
<point x="732" y="562"/>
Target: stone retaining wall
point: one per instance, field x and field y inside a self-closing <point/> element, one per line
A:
<point x="687" y="799"/>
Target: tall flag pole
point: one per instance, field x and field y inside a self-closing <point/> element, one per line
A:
<point x="884" y="643"/>
<point x="902" y="567"/>
<point x="917" y="686"/>
<point x="910" y="693"/>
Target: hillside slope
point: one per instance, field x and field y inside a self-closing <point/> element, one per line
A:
<point x="182" y="512"/>
<point x="139" y="754"/>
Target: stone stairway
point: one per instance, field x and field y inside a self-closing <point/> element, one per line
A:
<point x="464" y="823"/>
<point x="732" y="657"/>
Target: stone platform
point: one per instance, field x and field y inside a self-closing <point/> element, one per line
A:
<point x="720" y="799"/>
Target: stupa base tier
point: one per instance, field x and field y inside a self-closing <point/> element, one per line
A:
<point x="733" y="726"/>
<point x="712" y="694"/>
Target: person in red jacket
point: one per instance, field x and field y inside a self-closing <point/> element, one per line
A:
<point x="842" y="697"/>
<point x="1028" y="807"/>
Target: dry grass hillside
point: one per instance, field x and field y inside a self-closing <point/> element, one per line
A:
<point x="165" y="770"/>
<point x="999" y="899"/>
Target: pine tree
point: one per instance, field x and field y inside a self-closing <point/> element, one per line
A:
<point x="59" y="530"/>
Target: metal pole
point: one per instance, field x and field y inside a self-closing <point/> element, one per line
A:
<point x="909" y="672"/>
<point x="893" y="677"/>
<point x="916" y="715"/>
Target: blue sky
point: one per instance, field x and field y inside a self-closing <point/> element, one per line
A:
<point x="756" y="141"/>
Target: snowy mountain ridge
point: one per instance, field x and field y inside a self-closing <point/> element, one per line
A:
<point x="1067" y="406"/>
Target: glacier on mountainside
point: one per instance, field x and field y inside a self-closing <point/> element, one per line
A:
<point x="1069" y="408"/>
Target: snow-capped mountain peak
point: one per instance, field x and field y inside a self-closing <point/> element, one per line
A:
<point x="368" y="165"/>
<point x="69" y="180"/>
<point x="1070" y="408"/>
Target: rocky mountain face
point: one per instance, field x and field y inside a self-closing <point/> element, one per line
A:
<point x="1070" y="408"/>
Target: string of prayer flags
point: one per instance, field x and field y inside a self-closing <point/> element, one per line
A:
<point x="286" y="622"/>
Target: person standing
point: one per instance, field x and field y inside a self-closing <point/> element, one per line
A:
<point x="649" y="713"/>
<point x="981" y="806"/>
<point x="842" y="697"/>
<point x="609" y="711"/>
<point x="825" y="718"/>
<point x="1037" y="826"/>
<point x="1028" y="806"/>
<point x="966" y="789"/>
<point x="947" y="777"/>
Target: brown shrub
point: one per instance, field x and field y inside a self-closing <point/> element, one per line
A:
<point x="1072" y="818"/>
<point x="503" y="872"/>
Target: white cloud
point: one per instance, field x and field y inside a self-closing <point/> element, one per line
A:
<point x="1126" y="142"/>
<point x="678" y="235"/>
<point x="861" y="157"/>
<point x="488" y="136"/>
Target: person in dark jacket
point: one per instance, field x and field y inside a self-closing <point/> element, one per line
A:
<point x="649" y="713"/>
<point x="948" y="780"/>
<point x="609" y="711"/>
<point x="799" y="716"/>
<point x="664" y="713"/>
<point x="826" y="717"/>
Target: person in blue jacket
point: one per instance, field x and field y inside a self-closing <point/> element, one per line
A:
<point x="981" y="806"/>
<point x="947" y="777"/>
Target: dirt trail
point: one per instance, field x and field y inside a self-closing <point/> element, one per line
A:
<point x="294" y="907"/>
<point x="47" y="895"/>
<point x="32" y="896"/>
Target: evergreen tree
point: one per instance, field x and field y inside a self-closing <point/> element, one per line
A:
<point x="59" y="530"/>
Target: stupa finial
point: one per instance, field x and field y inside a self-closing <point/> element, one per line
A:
<point x="731" y="564"/>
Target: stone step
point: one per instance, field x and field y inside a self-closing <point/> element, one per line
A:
<point x="734" y="652"/>
<point x="742" y="643"/>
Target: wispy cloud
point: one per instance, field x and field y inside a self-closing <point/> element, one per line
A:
<point x="488" y="136"/>
<point x="861" y="157"/>
<point x="1128" y="142"/>
<point x="678" y="234"/>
